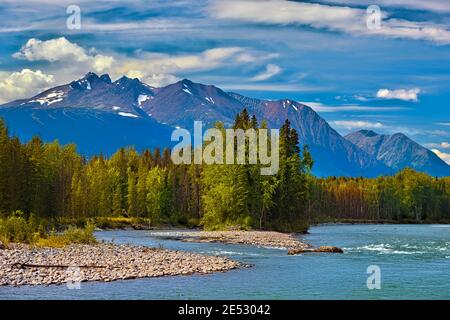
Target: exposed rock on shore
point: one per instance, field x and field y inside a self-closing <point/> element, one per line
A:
<point x="103" y="262"/>
<point x="319" y="249"/>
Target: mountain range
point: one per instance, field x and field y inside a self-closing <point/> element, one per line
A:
<point x="101" y="116"/>
<point x="397" y="151"/>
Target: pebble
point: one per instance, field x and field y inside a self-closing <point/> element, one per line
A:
<point x="119" y="262"/>
<point x="271" y="239"/>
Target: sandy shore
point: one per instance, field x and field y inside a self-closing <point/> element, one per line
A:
<point x="269" y="239"/>
<point x="101" y="262"/>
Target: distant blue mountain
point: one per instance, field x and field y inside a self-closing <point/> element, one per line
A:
<point x="101" y="116"/>
<point x="397" y="151"/>
<point x="93" y="131"/>
<point x="98" y="115"/>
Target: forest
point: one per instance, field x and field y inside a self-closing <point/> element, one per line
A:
<point x="51" y="181"/>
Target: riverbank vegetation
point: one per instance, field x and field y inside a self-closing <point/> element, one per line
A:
<point x="407" y="197"/>
<point x="54" y="181"/>
<point x="20" y="228"/>
<point x="50" y="182"/>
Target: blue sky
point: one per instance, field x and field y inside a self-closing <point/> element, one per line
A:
<point x="388" y="79"/>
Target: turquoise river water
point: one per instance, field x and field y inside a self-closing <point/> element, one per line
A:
<point x="414" y="263"/>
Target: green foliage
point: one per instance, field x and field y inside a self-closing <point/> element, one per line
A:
<point x="71" y="235"/>
<point x="408" y="196"/>
<point x="16" y="228"/>
<point x="20" y="229"/>
<point x="81" y="235"/>
<point x="63" y="188"/>
<point x="238" y="195"/>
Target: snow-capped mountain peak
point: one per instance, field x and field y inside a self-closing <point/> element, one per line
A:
<point x="130" y="105"/>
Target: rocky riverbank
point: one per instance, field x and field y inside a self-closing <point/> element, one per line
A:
<point x="269" y="239"/>
<point x="23" y="265"/>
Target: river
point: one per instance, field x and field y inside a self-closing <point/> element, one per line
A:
<point x="413" y="260"/>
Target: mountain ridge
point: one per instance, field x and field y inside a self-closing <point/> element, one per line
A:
<point x="398" y="151"/>
<point x="177" y="105"/>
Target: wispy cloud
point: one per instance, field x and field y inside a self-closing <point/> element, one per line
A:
<point x="271" y="70"/>
<point x="319" y="107"/>
<point x="205" y="60"/>
<point x="443" y="145"/>
<point x="400" y="94"/>
<point x="329" y="17"/>
<point x="157" y="69"/>
<point x="272" y="87"/>
<point x="442" y="6"/>
<point x="351" y="125"/>
<point x="443" y="155"/>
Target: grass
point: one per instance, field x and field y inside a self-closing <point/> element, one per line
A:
<point x="118" y="222"/>
<point x="4" y="241"/>
<point x="72" y="235"/>
<point x="18" y="228"/>
<point x="52" y="241"/>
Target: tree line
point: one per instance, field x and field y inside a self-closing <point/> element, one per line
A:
<point x="52" y="181"/>
<point x="408" y="196"/>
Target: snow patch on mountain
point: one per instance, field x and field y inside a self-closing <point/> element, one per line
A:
<point x="127" y="114"/>
<point x="187" y="91"/>
<point x="142" y="98"/>
<point x="50" y="98"/>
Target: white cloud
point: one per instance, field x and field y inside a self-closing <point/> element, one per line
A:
<point x="444" y="156"/>
<point x="271" y="70"/>
<point x="146" y="64"/>
<point x="155" y="63"/>
<point x="319" y="107"/>
<point x="361" y="98"/>
<point x="320" y="16"/>
<point x="61" y="49"/>
<point x="350" y="124"/>
<point x="274" y="87"/>
<point x="23" y="84"/>
<point x="51" y="50"/>
<point x="445" y="124"/>
<point x="156" y="69"/>
<point x="400" y="94"/>
<point x="248" y="57"/>
<point x="428" y="5"/>
<point x="154" y="80"/>
<point x="162" y="69"/>
<point x="443" y="145"/>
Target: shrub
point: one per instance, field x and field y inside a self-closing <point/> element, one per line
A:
<point x="81" y="235"/>
<point x="16" y="228"/>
